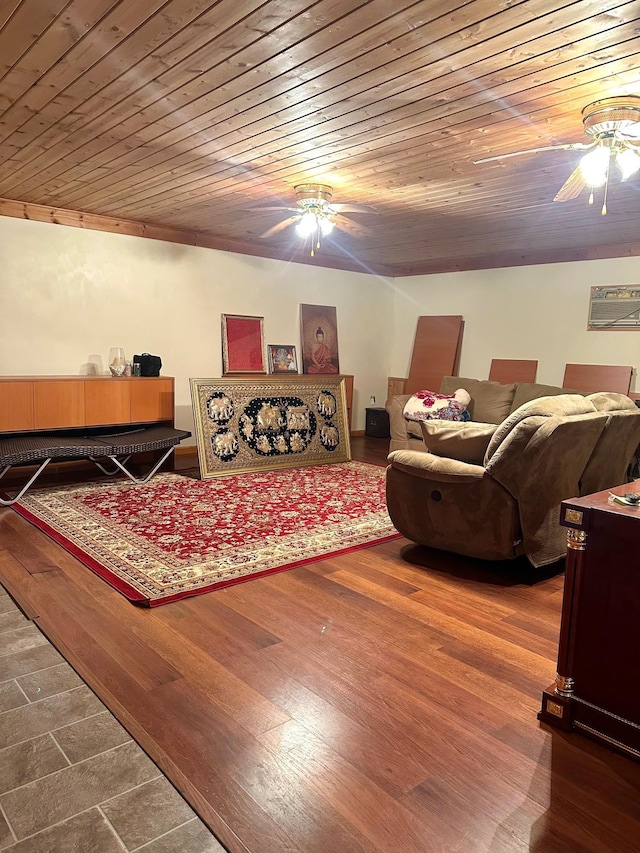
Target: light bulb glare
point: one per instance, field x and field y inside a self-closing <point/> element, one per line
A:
<point x="326" y="226"/>
<point x="307" y="225"/>
<point x="595" y="165"/>
<point x="628" y="162"/>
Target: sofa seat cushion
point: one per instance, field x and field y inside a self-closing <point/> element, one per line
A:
<point x="425" y="405"/>
<point x="491" y="402"/>
<point x="467" y="442"/>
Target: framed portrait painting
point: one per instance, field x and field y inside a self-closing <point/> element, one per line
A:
<point x="282" y="358"/>
<point x="242" y="344"/>
<point x="319" y="332"/>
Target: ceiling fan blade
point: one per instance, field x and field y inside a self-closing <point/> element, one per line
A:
<point x="279" y="227"/>
<point x="354" y="208"/>
<point x="572" y="187"/>
<point x="272" y="207"/>
<point x="574" y="146"/>
<point x="355" y="229"/>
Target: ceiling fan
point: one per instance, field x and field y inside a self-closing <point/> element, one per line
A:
<point x="315" y="215"/>
<point x="614" y="127"/>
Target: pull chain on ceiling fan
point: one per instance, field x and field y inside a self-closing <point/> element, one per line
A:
<point x="614" y="125"/>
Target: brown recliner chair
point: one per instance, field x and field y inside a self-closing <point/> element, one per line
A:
<point x="510" y="504"/>
<point x="616" y="446"/>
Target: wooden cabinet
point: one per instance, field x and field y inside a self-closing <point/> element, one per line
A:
<point x="395" y="386"/>
<point x="597" y="691"/>
<point x="29" y="403"/>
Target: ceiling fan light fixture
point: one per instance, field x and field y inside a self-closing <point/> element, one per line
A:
<point x="307" y="225"/>
<point x="326" y="225"/>
<point x="594" y="166"/>
<point x="628" y="161"/>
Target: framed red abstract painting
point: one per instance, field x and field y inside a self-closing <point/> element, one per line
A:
<point x="242" y="344"/>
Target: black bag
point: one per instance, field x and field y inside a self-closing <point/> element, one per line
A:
<point x="149" y="364"/>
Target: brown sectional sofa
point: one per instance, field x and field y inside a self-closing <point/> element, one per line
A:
<point x="506" y="502"/>
<point x="491" y="403"/>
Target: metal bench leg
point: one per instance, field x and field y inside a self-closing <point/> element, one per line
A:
<point x="141" y="480"/>
<point x="104" y="470"/>
<point x="4" y="502"/>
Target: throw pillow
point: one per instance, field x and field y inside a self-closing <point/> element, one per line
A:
<point x="466" y="442"/>
<point x="426" y="405"/>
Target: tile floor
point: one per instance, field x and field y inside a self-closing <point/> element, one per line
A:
<point x="71" y="778"/>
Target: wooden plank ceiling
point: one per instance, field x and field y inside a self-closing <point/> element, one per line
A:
<point x="176" y="119"/>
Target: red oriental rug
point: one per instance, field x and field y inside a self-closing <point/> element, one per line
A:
<point x="175" y="537"/>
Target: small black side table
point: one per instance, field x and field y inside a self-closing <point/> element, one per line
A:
<point x="377" y="423"/>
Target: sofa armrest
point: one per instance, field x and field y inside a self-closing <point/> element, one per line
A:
<point x="435" y="468"/>
<point x="397" y="423"/>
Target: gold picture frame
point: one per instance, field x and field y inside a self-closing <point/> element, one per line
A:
<point x="276" y="421"/>
<point x="242" y="344"/>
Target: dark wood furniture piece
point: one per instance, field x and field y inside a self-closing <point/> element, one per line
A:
<point x="506" y="370"/>
<point x="591" y="378"/>
<point x="436" y="352"/>
<point x="597" y="690"/>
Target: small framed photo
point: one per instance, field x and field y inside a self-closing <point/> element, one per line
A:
<point x="242" y="344"/>
<point x="282" y="358"/>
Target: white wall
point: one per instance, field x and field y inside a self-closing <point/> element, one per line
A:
<point x="68" y="295"/>
<point x="537" y="312"/>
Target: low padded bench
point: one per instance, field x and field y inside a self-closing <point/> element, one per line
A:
<point x="116" y="448"/>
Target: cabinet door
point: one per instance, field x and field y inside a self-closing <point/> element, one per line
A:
<point x="107" y="401"/>
<point x="59" y="403"/>
<point x="16" y="406"/>
<point x="152" y="399"/>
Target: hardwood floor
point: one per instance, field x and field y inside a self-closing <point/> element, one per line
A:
<point x="384" y="700"/>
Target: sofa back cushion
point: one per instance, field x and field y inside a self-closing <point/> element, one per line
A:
<point x="491" y="402"/>
<point x="560" y="405"/>
<point x="526" y="391"/>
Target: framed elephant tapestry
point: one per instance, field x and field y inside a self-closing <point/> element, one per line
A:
<point x="261" y="424"/>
